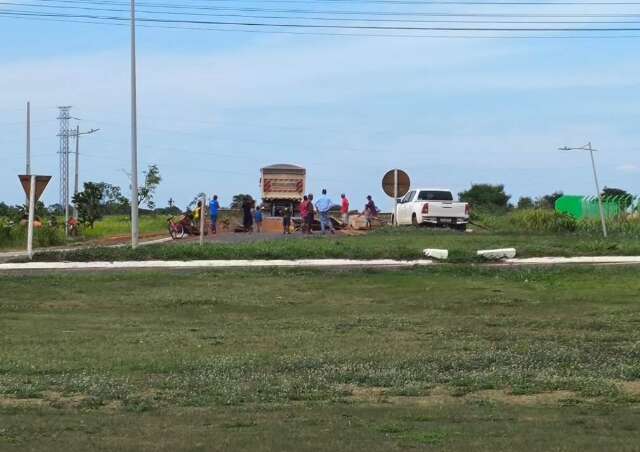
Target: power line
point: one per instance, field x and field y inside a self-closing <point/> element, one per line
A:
<point x="334" y="34"/>
<point x="411" y="2"/>
<point x="333" y="12"/>
<point x="322" y="26"/>
<point x="324" y="18"/>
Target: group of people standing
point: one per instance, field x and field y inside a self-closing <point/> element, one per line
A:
<point x="323" y="206"/>
<point x="253" y="215"/>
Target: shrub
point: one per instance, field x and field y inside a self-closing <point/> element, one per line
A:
<point x="624" y="224"/>
<point x="542" y="220"/>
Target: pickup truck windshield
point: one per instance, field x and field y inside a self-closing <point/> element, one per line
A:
<point x="435" y="195"/>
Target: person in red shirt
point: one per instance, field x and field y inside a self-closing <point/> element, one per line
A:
<point x="304" y="212"/>
<point x="344" y="209"/>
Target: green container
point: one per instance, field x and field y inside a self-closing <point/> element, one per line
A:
<point x="583" y="207"/>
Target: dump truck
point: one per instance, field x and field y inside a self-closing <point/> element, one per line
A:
<point x="283" y="186"/>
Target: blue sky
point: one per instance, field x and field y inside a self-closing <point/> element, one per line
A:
<point x="216" y="106"/>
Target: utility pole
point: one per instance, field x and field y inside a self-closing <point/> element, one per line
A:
<point x="77" y="176"/>
<point x="28" y="156"/>
<point x="77" y="135"/>
<point x="588" y="147"/>
<point x="63" y="151"/>
<point x="134" y="133"/>
<point x="595" y="178"/>
<point x="28" y="139"/>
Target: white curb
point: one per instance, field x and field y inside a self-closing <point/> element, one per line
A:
<point x="303" y="263"/>
<point x="575" y="260"/>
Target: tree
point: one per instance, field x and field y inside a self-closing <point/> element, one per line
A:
<point x="525" y="202"/>
<point x="56" y="209"/>
<point x="194" y="201"/>
<point x="40" y="212"/>
<point x="88" y="202"/>
<point x="9" y="211"/>
<point x="486" y="195"/>
<point x="623" y="197"/>
<point x="236" y="202"/>
<point x="152" y="179"/>
<point x="548" y="201"/>
<point x="113" y="202"/>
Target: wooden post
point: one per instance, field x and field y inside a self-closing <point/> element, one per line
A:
<point x="202" y="222"/>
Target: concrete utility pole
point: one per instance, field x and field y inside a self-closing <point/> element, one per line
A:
<point x="28" y="139"/>
<point x="587" y="147"/>
<point x="134" y="133"/>
<point x="28" y="156"/>
<point x="77" y="176"/>
<point x="77" y="135"/>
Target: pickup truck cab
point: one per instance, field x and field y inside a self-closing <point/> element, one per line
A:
<point x="432" y="206"/>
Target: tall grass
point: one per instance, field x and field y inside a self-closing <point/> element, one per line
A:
<point x="547" y="221"/>
<point x="116" y="225"/>
<point x="13" y="237"/>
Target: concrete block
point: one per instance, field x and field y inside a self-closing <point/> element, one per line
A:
<point x="503" y="253"/>
<point x="436" y="254"/>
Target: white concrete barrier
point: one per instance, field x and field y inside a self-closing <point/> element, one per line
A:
<point x="503" y="253"/>
<point x="436" y="253"/>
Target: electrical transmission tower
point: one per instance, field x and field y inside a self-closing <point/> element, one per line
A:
<point x="63" y="153"/>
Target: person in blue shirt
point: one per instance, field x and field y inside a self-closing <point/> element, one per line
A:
<point x="214" y="207"/>
<point x="258" y="216"/>
<point x="323" y="205"/>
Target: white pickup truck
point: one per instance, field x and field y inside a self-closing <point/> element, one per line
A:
<point x="432" y="206"/>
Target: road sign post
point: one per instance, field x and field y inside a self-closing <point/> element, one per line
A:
<point x="33" y="187"/>
<point x="395" y="184"/>
<point x="32" y="208"/>
<point x="395" y="197"/>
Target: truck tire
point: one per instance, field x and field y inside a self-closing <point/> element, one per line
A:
<point x="414" y="220"/>
<point x="461" y="227"/>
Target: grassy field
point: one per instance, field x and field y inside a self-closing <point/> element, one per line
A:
<point x="448" y="358"/>
<point x="402" y="243"/>
<point x="12" y="238"/>
<point x="117" y="225"/>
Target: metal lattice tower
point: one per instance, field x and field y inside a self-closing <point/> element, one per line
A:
<point x="63" y="153"/>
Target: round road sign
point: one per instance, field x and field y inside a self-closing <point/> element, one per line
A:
<point x="403" y="183"/>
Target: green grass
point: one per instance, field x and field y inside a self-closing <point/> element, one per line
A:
<point x="117" y="225"/>
<point x="15" y="237"/>
<point x="452" y="357"/>
<point x="402" y="243"/>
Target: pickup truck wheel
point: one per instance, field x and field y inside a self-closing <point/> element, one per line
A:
<point x="414" y="220"/>
<point x="461" y="227"/>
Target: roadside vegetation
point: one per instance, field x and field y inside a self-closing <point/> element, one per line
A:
<point x="532" y="225"/>
<point x="453" y="358"/>
<point x="387" y="243"/>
